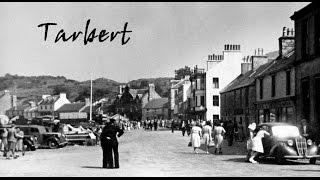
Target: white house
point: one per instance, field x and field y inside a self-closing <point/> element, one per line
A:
<point x="221" y="70"/>
<point x="49" y="104"/>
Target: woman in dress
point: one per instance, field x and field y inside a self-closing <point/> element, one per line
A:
<point x="195" y="137"/>
<point x="19" y="145"/>
<point x="206" y="132"/>
<point x="218" y="133"/>
<point x="257" y="146"/>
<point x="251" y="128"/>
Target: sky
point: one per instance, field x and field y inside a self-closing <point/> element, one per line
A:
<point x="165" y="36"/>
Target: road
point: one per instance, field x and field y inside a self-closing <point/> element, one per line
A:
<point x="149" y="153"/>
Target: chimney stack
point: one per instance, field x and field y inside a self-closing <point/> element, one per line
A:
<point x="286" y="42"/>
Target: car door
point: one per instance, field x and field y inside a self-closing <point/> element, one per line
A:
<point x="34" y="131"/>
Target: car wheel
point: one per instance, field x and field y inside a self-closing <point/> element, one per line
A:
<point x="279" y="158"/>
<point x="52" y="144"/>
<point x="312" y="161"/>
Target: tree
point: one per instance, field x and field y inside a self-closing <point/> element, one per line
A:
<point x="60" y="89"/>
<point x="182" y="72"/>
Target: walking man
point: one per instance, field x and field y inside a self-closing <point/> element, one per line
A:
<point x="172" y="126"/>
<point x="11" y="142"/>
<point x="109" y="144"/>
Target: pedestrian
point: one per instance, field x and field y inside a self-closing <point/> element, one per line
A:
<point x="218" y="133"/>
<point x="139" y="124"/>
<point x="183" y="128"/>
<point x="155" y="124"/>
<point x="19" y="144"/>
<point x="145" y="124"/>
<point x="172" y="126"/>
<point x="109" y="144"/>
<point x="229" y="132"/>
<point x="4" y="141"/>
<point x="206" y="134"/>
<point x="257" y="146"/>
<point x="11" y="142"/>
<point x="195" y="137"/>
<point x="236" y="130"/>
<point x="251" y="128"/>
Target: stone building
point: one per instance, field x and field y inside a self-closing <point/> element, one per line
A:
<point x="275" y="87"/>
<point x="181" y="95"/>
<point x="156" y="109"/>
<point x="307" y="52"/>
<point x="197" y="103"/>
<point x="49" y="104"/>
<point x="7" y="101"/>
<point x="238" y="98"/>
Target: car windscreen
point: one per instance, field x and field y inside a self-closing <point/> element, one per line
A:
<point x="285" y="131"/>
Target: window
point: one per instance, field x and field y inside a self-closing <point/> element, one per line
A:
<point x="215" y="117"/>
<point x="305" y="38"/>
<point x="273" y="85"/>
<point x="261" y="88"/>
<point x="272" y="115"/>
<point x="202" y="100"/>
<point x="202" y="85"/>
<point x="288" y="83"/>
<point x="246" y="97"/>
<point x="215" y="82"/>
<point x="196" y="100"/>
<point x="215" y="100"/>
<point x="34" y="130"/>
<point x="261" y="116"/>
<point x="317" y="33"/>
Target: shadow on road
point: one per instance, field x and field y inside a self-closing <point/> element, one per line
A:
<point x="91" y="167"/>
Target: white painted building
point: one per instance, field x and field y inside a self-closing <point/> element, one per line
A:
<point x="221" y="70"/>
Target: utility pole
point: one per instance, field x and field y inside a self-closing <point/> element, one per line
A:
<point x="90" y="98"/>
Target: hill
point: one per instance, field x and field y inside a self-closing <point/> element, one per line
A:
<point x="33" y="87"/>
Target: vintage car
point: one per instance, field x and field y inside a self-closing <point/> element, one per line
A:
<point x="43" y="137"/>
<point x="29" y="141"/>
<point x="77" y="135"/>
<point x="285" y="142"/>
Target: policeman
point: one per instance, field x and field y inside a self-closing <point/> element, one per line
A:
<point x="109" y="144"/>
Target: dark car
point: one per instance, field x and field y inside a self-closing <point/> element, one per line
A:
<point x="29" y="141"/>
<point x="43" y="137"/>
<point x="285" y="142"/>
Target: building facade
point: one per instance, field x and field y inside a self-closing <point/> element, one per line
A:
<point x="307" y="57"/>
<point x="7" y="101"/>
<point x="216" y="79"/>
<point x="197" y="103"/>
<point x="156" y="109"/>
<point x="49" y="104"/>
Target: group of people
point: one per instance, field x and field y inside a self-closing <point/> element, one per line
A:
<point x="11" y="141"/>
<point x="212" y="134"/>
<point x="152" y="124"/>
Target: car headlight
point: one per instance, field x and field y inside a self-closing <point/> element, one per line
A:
<point x="309" y="142"/>
<point x="290" y="142"/>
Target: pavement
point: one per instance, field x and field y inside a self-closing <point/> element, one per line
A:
<point x="149" y="154"/>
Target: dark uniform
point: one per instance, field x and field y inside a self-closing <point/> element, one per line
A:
<point x="109" y="144"/>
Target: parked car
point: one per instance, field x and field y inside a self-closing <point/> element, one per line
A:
<point x="29" y="141"/>
<point x="44" y="137"/>
<point x="285" y="142"/>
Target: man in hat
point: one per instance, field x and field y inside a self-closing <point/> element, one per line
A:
<point x="109" y="144"/>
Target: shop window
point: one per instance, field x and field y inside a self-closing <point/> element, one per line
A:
<point x="202" y="100"/>
<point x="272" y="115"/>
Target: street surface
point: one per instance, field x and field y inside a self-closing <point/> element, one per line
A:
<point x="149" y="153"/>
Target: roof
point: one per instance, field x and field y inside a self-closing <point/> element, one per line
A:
<point x="49" y="100"/>
<point x="87" y="109"/>
<point x="246" y="79"/>
<point x="19" y="108"/>
<point x="281" y="63"/>
<point x="71" y="107"/>
<point x="272" y="54"/>
<point x="305" y="10"/>
<point x="139" y="92"/>
<point x="157" y="103"/>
